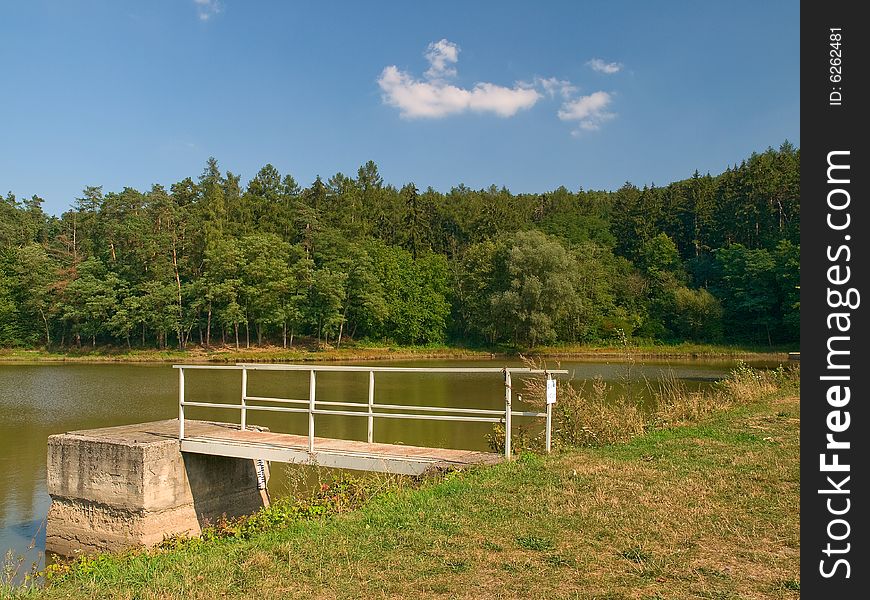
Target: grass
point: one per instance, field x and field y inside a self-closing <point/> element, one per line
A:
<point x="703" y="507"/>
<point x="229" y="354"/>
<point x="308" y="350"/>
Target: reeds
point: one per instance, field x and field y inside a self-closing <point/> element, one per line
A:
<point x="590" y="414"/>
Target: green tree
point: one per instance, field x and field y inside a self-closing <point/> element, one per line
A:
<point x="326" y="297"/>
<point x="36" y="280"/>
<point x="90" y="300"/>
<point x="749" y="292"/>
<point x="223" y="288"/>
<point x="265" y="274"/>
<point x="547" y="293"/>
<point x="293" y="294"/>
<point x="787" y="257"/>
<point x="10" y="334"/>
<point x="414" y="220"/>
<point x="696" y="315"/>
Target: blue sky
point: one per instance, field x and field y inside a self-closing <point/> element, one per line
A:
<point x="526" y="95"/>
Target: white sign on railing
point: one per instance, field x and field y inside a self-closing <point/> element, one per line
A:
<point x="551" y="391"/>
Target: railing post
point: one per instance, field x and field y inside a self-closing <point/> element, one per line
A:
<point x="507" y="414"/>
<point x="311" y="386"/>
<point x="244" y="396"/>
<point x="549" y="435"/>
<point x="181" y="403"/>
<point x="371" y="419"/>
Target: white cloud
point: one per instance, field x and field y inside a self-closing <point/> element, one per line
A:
<point x="432" y="97"/>
<point x="552" y="85"/>
<point x="206" y="9"/>
<point x="608" y="68"/>
<point x="440" y="54"/>
<point x="590" y="111"/>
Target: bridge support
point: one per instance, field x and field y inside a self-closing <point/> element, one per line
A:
<point x="127" y="486"/>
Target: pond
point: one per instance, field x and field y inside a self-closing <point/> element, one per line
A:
<point x="46" y="398"/>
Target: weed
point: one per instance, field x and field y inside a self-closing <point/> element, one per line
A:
<point x="715" y="573"/>
<point x="793" y="585"/>
<point x="557" y="560"/>
<point x="636" y="554"/>
<point x="521" y="439"/>
<point x="456" y="566"/>
<point x="538" y="544"/>
<point x="15" y="581"/>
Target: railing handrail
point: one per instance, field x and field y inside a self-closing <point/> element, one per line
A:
<point x="377" y="369"/>
<point x="312" y="402"/>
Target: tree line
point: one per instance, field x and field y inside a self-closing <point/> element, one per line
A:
<point x="211" y="261"/>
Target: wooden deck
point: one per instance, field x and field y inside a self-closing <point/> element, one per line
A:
<point x="226" y="439"/>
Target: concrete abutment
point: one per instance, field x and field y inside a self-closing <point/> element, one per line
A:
<point x="127" y="486"/>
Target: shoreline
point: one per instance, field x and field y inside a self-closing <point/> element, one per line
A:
<point x="199" y="355"/>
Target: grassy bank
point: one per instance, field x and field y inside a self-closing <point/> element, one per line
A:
<point x="663" y="351"/>
<point x="369" y="352"/>
<point x="703" y="503"/>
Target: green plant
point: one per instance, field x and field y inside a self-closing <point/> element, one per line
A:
<point x="522" y="440"/>
<point x="538" y="544"/>
<point x="635" y="554"/>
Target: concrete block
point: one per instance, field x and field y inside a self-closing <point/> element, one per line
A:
<point x="127" y="486"/>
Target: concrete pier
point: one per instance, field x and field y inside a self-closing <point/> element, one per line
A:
<point x="127" y="486"/>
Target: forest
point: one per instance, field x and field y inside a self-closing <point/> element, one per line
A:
<point x="211" y="261"/>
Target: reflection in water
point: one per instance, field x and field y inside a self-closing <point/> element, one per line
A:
<point x="42" y="399"/>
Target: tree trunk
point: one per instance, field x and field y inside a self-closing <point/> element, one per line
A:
<point x="208" y="327"/>
<point x="236" y="327"/>
<point x="284" y="333"/>
<point x="247" y="335"/>
<point x="178" y="290"/>
<point x="75" y="252"/>
<point x="45" y="321"/>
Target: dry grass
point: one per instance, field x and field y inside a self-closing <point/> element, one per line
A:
<point x="307" y="349"/>
<point x="675" y="405"/>
<point x="588" y="414"/>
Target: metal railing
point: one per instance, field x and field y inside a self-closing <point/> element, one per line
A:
<point x="478" y="415"/>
